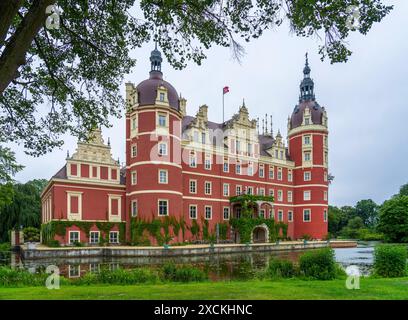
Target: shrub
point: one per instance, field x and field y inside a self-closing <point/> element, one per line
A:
<point x="31" y="234"/>
<point x="318" y="264"/>
<point x="122" y="276"/>
<point x="53" y="243"/>
<point x="19" y="277"/>
<point x="306" y="237"/>
<point x="281" y="268"/>
<point x="182" y="274"/>
<point x="390" y="260"/>
<point x="5" y="246"/>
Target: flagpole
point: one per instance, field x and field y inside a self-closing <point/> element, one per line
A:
<point x="223" y="105"/>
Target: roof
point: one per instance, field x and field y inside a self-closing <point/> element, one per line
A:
<point x="147" y="90"/>
<point x="297" y="116"/>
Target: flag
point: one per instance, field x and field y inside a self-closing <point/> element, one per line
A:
<point x="225" y="90"/>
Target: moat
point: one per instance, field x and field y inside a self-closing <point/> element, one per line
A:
<point x="218" y="266"/>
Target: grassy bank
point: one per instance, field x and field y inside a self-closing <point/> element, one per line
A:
<point x="370" y="288"/>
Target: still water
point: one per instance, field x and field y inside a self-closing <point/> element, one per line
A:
<point x="218" y="266"/>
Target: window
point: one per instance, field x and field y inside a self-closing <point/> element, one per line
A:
<point x="226" y="165"/>
<point x="114" y="237"/>
<point x="290" y="197"/>
<point x="280" y="215"/>
<point x="306" y="195"/>
<point x="279" y="174"/>
<point x="261" y="171"/>
<point x="193" y="160"/>
<point x="207" y="188"/>
<point x="326" y="160"/>
<point x="262" y="213"/>
<point x="163" y="207"/>
<point x="238" y="190"/>
<point x="162" y="120"/>
<point x="226" y="212"/>
<point x="325" y="215"/>
<point x="226" y="190"/>
<point x="195" y="136"/>
<point x="134" y="123"/>
<point x="163" y="176"/>
<point x="94" y="237"/>
<point x="250" y="190"/>
<point x="325" y="176"/>
<point x="237" y="146"/>
<point x="307" y="217"/>
<point x="250" y="149"/>
<point x="238" y="213"/>
<point x="134" y="208"/>
<point x="162" y="96"/>
<point x="290" y="216"/>
<point x="271" y="173"/>
<point x="276" y="154"/>
<point x="73" y="237"/>
<point x="193" y="212"/>
<point x="133" y="177"/>
<point x="134" y="151"/>
<point x="307" y="121"/>
<point x="203" y="139"/>
<point x="290" y="176"/>
<point x="281" y="154"/>
<point x="193" y="186"/>
<point x="325" y="196"/>
<point x="307" y="176"/>
<point x="261" y="191"/>
<point x="306" y="140"/>
<point x="208" y="212"/>
<point x="207" y="162"/>
<point x="280" y="195"/>
<point x="250" y="169"/>
<point x="238" y="167"/>
<point x="325" y="139"/>
<point x="307" y="156"/>
<point x="271" y="192"/>
<point x="163" y="149"/>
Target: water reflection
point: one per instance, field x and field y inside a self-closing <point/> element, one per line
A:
<point x="240" y="266"/>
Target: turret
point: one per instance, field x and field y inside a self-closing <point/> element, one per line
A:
<point x="308" y="136"/>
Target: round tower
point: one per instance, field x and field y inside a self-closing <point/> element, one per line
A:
<point x="308" y="148"/>
<point x="153" y="147"/>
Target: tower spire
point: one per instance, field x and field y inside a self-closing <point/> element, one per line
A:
<point x="307" y="84"/>
<point x="155" y="59"/>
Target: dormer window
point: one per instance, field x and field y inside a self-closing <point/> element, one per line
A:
<point x="307" y="121"/>
<point x="162" y="96"/>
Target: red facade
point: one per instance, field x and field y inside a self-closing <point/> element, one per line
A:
<point x="177" y="165"/>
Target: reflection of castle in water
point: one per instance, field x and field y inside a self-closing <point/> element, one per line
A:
<point x="218" y="266"/>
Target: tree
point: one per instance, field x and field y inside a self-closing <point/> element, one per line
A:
<point x="65" y="78"/>
<point x="8" y="168"/>
<point x="393" y="219"/>
<point x="404" y="190"/>
<point x="368" y="211"/>
<point x="25" y="208"/>
<point x="337" y="220"/>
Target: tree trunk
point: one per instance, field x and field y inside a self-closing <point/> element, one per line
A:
<point x="8" y="10"/>
<point x="15" y="51"/>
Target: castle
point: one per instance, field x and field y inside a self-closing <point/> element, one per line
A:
<point x="188" y="167"/>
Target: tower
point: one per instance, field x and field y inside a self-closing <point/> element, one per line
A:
<point x="308" y="148"/>
<point x="153" y="147"/>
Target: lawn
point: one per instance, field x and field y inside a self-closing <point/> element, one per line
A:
<point x="255" y="289"/>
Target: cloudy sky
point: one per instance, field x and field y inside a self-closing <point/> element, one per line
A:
<point x="366" y="101"/>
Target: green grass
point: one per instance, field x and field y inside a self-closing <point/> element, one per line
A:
<point x="370" y="288"/>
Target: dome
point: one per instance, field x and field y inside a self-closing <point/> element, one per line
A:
<point x="316" y="112"/>
<point x="147" y="90"/>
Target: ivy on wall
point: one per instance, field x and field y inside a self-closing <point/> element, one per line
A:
<point x="247" y="222"/>
<point x="52" y="228"/>
<point x="160" y="229"/>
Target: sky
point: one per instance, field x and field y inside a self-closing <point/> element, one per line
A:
<point x="365" y="98"/>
